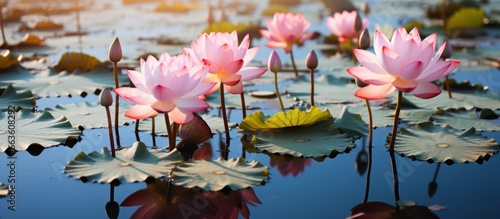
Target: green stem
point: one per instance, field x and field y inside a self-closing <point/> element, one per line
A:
<point x="224" y="115"/>
<point x="117" y="104"/>
<point x="293" y="64"/>
<point x="396" y="121"/>
<point x="278" y="90"/>
<point x="136" y="131"/>
<point x="243" y="105"/>
<point x="311" y="72"/>
<point x="448" y="87"/>
<point x="171" y="136"/>
<point x="370" y="144"/>
<point x="110" y="129"/>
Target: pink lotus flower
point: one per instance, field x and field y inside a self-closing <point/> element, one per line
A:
<point x="226" y="59"/>
<point x="406" y="63"/>
<point x="343" y="25"/>
<point x="169" y="85"/>
<point x="285" y="30"/>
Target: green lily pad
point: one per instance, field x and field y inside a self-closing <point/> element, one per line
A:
<point x="10" y="97"/>
<point x="382" y="116"/>
<point x="4" y="189"/>
<point x="295" y="117"/>
<point x="428" y="142"/>
<point x="32" y="128"/>
<point x="89" y="115"/>
<point x="415" y="116"/>
<point x="234" y="101"/>
<point x="327" y="89"/>
<point x="215" y="175"/>
<point x="317" y="140"/>
<point x="50" y="83"/>
<point x="134" y="164"/>
<point x="463" y="119"/>
<point x="352" y="124"/>
<point x="459" y="100"/>
<point x="215" y="123"/>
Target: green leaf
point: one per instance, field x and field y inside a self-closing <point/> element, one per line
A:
<point x="415" y="116"/>
<point x="234" y="101"/>
<point x="10" y="97"/>
<point x="215" y="123"/>
<point x="382" y="116"/>
<point x="295" y="117"/>
<point x="459" y="100"/>
<point x="89" y="115"/>
<point x="463" y="119"/>
<point x="312" y="141"/>
<point x="440" y="144"/>
<point x="70" y="61"/>
<point x="466" y="17"/>
<point x="327" y="89"/>
<point x="50" y="83"/>
<point x="352" y="124"/>
<point x="32" y="128"/>
<point x="134" y="164"/>
<point x="215" y="175"/>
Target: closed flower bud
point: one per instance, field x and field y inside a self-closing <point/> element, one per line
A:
<point x="358" y="24"/>
<point x="364" y="40"/>
<point x="274" y="62"/>
<point x="312" y="60"/>
<point x="360" y="83"/>
<point x="365" y="8"/>
<point x="115" y="51"/>
<point x="447" y="51"/>
<point x="105" y="98"/>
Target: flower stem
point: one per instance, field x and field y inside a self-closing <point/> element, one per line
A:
<point x="243" y="105"/>
<point x="293" y="64"/>
<point x="396" y="179"/>
<point x="110" y="129"/>
<point x="171" y="135"/>
<point x="5" y="45"/>
<point x="396" y="121"/>
<point x="370" y="144"/>
<point x="136" y="131"/>
<point x="278" y="90"/>
<point x="117" y="104"/>
<point x="224" y="115"/>
<point x="448" y="88"/>
<point x="153" y="132"/>
<point x="311" y="72"/>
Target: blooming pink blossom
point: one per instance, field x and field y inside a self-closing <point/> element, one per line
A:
<point x="285" y="30"/>
<point x="226" y="59"/>
<point x="171" y="84"/>
<point x="343" y="25"/>
<point x="406" y="63"/>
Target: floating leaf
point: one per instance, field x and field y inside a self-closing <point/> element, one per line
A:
<point x="76" y="60"/>
<point x="313" y="141"/>
<point x="88" y="115"/>
<point x="327" y="89"/>
<point x="30" y="40"/>
<point x="215" y="175"/>
<point x="465" y="18"/>
<point x="234" y="101"/>
<point x="31" y="130"/>
<point x="351" y="124"/>
<point x="134" y="164"/>
<point x="7" y="60"/>
<point x="459" y="100"/>
<point x="463" y="119"/>
<point x="10" y="97"/>
<point x="295" y="117"/>
<point x="49" y="83"/>
<point x="215" y="123"/>
<point x="415" y="116"/>
<point x="382" y="116"/>
<point x="435" y="143"/>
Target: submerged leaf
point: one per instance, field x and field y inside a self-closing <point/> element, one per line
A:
<point x="134" y="164"/>
<point x="10" y="97"/>
<point x="464" y="119"/>
<point x="31" y="129"/>
<point x="296" y="117"/>
<point x="428" y="142"/>
<point x="215" y="175"/>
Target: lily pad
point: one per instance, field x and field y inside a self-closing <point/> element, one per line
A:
<point x="10" y="97"/>
<point x="134" y="164"/>
<point x="352" y="124"/>
<point x="215" y="175"/>
<point x="463" y="119"/>
<point x="313" y="141"/>
<point x="70" y="61"/>
<point x="292" y="118"/>
<point x="382" y="116"/>
<point x="459" y="100"/>
<point x="234" y="100"/>
<point x="30" y="129"/>
<point x="7" y="60"/>
<point x="215" y="123"/>
<point x="49" y="83"/>
<point x="89" y="115"/>
<point x="428" y="142"/>
<point x="327" y="89"/>
<point x="415" y="116"/>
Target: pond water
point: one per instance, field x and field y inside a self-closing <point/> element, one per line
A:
<point x="318" y="189"/>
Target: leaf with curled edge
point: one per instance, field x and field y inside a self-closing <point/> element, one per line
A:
<point x="10" y="97"/>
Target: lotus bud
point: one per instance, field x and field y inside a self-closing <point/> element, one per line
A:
<point x="115" y="51"/>
<point x="312" y="60"/>
<point x="274" y="62"/>
<point x="360" y="83"/>
<point x="364" y="40"/>
<point x="105" y="98"/>
<point x="365" y="8"/>
<point x="447" y="51"/>
<point x="358" y="24"/>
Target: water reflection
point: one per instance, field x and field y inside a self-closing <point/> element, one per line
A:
<point x="161" y="199"/>
<point x="289" y="165"/>
<point x="432" y="188"/>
